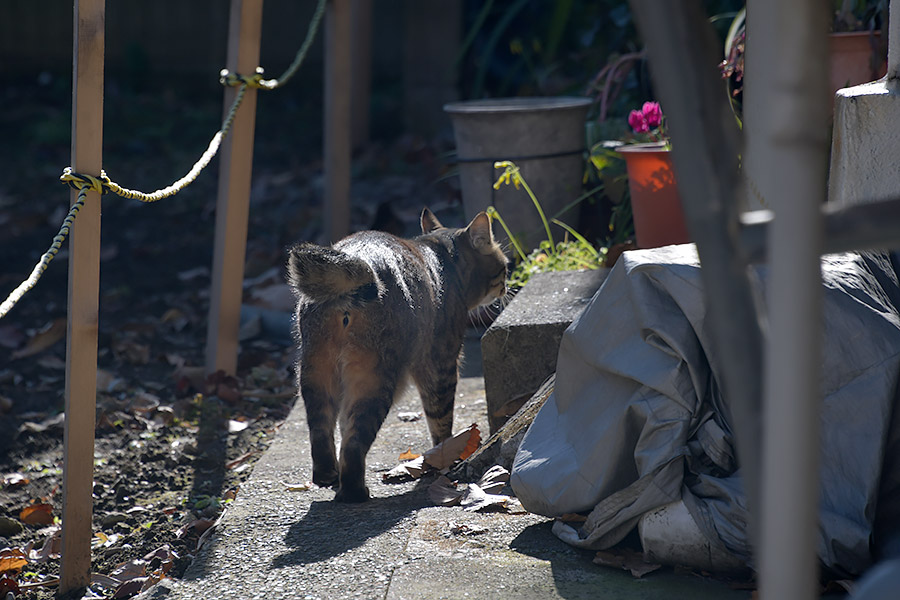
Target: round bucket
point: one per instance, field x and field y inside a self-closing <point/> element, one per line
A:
<point x="543" y="136"/>
<point x="655" y="203"/>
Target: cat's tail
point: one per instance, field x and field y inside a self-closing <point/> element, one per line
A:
<point x="323" y="273"/>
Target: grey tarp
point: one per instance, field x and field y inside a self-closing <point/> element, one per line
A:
<point x="637" y="421"/>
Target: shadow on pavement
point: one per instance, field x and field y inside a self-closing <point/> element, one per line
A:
<point x="330" y="528"/>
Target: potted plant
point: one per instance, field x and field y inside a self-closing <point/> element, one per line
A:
<point x="858" y="49"/>
<point x="655" y="202"/>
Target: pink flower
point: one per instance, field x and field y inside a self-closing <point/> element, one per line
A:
<point x="638" y="121"/>
<point x="652" y="114"/>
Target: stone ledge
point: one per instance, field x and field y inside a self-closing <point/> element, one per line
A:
<point x="519" y="350"/>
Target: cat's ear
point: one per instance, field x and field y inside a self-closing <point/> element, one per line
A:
<point x="429" y="221"/>
<point x="479" y="232"/>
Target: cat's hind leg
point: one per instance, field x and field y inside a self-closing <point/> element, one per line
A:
<point x="321" y="416"/>
<point x="437" y="388"/>
<point x="369" y="388"/>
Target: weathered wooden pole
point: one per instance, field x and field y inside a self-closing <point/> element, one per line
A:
<point x="233" y="205"/>
<point x="338" y="117"/>
<point x="786" y="115"/>
<point x="83" y="301"/>
<point x="362" y="70"/>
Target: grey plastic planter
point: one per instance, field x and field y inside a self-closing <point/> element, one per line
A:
<point x="544" y="136"/>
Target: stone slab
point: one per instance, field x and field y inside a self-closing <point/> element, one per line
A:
<point x="520" y="348"/>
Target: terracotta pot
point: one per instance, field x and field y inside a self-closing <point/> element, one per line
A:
<point x="852" y="59"/>
<point x="655" y="203"/>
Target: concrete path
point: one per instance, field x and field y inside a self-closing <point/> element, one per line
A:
<point x="276" y="543"/>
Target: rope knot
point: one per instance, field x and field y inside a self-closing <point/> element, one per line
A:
<point x="230" y="79"/>
<point x="79" y="181"/>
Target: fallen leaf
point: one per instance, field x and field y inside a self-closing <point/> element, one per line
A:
<point x="37" y="514"/>
<point x="627" y="560"/>
<point x="50" y="550"/>
<point x="444" y="492"/>
<point x="129" y="588"/>
<point x="237" y="426"/>
<point x="494" y="480"/>
<point x="408" y="417"/>
<point x="12" y="560"/>
<point x="458" y="447"/>
<point x="241" y="459"/>
<point x="408" y="455"/>
<point x="15" y="480"/>
<point x="50" y="361"/>
<point x="9" y="587"/>
<point x="411" y="469"/>
<point x="194" y="273"/>
<point x="47" y="336"/>
<point x="572" y="518"/>
<point x="129" y="570"/>
<point x="297" y="487"/>
<point x="475" y="499"/>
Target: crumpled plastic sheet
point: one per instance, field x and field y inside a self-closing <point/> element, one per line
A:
<point x="637" y="420"/>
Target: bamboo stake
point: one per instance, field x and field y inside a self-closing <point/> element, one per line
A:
<point x="338" y="141"/>
<point x="83" y="298"/>
<point x="233" y="205"/>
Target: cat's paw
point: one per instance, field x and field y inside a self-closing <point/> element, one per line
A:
<point x="325" y="479"/>
<point x="352" y="494"/>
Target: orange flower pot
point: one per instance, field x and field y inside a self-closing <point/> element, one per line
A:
<point x="655" y="203"/>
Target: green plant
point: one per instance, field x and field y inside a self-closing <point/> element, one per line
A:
<point x="566" y="255"/>
<point x="859" y="15"/>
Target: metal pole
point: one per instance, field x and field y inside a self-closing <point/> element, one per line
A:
<point x="84" y="291"/>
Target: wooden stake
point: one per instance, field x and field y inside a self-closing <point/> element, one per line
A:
<point x="233" y="204"/>
<point x="338" y="141"/>
<point x="361" y="81"/>
<point x="84" y="286"/>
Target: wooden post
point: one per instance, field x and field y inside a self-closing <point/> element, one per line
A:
<point x="362" y="70"/>
<point x="338" y="142"/>
<point x="233" y="206"/>
<point x="84" y="289"/>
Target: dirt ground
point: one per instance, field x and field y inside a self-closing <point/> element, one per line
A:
<point x="172" y="446"/>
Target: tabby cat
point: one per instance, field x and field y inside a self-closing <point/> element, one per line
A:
<point x="373" y="311"/>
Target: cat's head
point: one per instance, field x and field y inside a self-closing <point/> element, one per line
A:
<point x="480" y="261"/>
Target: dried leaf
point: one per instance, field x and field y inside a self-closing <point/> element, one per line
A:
<point x="130" y="570"/>
<point x="627" y="560"/>
<point x="50" y="550"/>
<point x="129" y="588"/>
<point x="572" y="518"/>
<point x="412" y="469"/>
<point x="408" y="455"/>
<point x="232" y="464"/>
<point x="37" y="514"/>
<point x="9" y="587"/>
<point x="475" y="499"/>
<point x="12" y="560"/>
<point x="494" y="480"/>
<point x="12" y="480"/>
<point x="47" y="336"/>
<point x="237" y="426"/>
<point x="458" y="447"/>
<point x="297" y="487"/>
<point x="444" y="492"/>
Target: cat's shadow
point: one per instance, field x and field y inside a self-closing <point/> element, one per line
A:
<point x="331" y="528"/>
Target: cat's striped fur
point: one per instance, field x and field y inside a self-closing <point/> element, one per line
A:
<point x="374" y="310"/>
